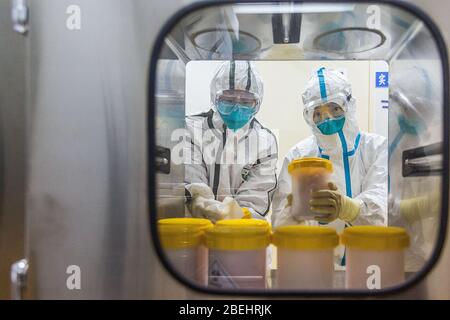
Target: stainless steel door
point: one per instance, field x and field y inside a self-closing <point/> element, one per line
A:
<point x="12" y="146"/>
<point x="87" y="188"/>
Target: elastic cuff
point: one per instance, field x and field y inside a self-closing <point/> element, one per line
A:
<point x="410" y="209"/>
<point x="351" y="209"/>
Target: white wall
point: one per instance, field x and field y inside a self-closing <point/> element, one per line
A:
<point x="284" y="82"/>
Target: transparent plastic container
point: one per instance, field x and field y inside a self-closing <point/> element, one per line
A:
<point x="183" y="241"/>
<point x="237" y="254"/>
<point x="308" y="174"/>
<point x="375" y="256"/>
<point x="305" y="257"/>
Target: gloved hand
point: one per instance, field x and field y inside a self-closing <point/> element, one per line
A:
<point x="246" y="213"/>
<point x="215" y="210"/>
<point x="232" y="210"/>
<point x="203" y="204"/>
<point x="199" y="189"/>
<point x="332" y="204"/>
<point x="422" y="207"/>
<point x="211" y="209"/>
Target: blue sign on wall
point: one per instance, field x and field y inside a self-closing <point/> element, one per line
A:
<point x="381" y="79"/>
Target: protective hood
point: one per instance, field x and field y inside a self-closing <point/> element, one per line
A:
<point x="413" y="104"/>
<point x="328" y="85"/>
<point x="238" y="75"/>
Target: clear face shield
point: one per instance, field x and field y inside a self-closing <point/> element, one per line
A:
<point x="328" y="115"/>
<point x="229" y="101"/>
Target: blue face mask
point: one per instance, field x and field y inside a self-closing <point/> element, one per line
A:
<point x="235" y="116"/>
<point x="331" y="126"/>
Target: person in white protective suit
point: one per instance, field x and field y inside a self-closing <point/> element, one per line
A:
<point x="230" y="168"/>
<point x="414" y="201"/>
<point x="357" y="194"/>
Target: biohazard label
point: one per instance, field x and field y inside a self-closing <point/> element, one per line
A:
<point x="219" y="277"/>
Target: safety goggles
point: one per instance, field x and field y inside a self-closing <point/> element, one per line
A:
<point x="333" y="107"/>
<point x="229" y="100"/>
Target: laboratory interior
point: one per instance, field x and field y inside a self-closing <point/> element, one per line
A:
<point x="298" y="146"/>
<point x="187" y="149"/>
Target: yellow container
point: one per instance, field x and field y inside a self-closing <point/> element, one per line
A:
<point x="305" y="238"/>
<point x="239" y="234"/>
<point x="178" y="233"/>
<point x="375" y="238"/>
<point x="183" y="242"/>
<point x="308" y="164"/>
<point x="237" y="253"/>
<point x="308" y="174"/>
<point x="305" y="256"/>
<point x="375" y="256"/>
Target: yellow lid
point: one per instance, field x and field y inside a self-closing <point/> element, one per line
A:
<point x="310" y="163"/>
<point x="179" y="233"/>
<point x="305" y="237"/>
<point x="239" y="234"/>
<point x="375" y="238"/>
<point x="190" y="222"/>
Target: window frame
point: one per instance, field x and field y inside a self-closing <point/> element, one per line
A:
<point x="151" y="147"/>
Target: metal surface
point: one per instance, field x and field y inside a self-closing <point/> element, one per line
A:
<point x="86" y="160"/>
<point x="423" y="161"/>
<point x="12" y="146"/>
<point x="86" y="191"/>
<point x="19" y="274"/>
<point x="19" y="16"/>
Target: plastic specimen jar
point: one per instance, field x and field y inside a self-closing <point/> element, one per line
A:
<point x="308" y="174"/>
<point x="237" y="253"/>
<point x="305" y="256"/>
<point x="183" y="241"/>
<point x="375" y="256"/>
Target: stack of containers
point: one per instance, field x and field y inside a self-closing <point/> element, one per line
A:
<point x="305" y="256"/>
<point x="183" y="240"/>
<point x="237" y="253"/>
<point x="375" y="256"/>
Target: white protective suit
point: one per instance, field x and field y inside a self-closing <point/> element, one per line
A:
<point x="359" y="158"/>
<point x="240" y="164"/>
<point x="414" y="202"/>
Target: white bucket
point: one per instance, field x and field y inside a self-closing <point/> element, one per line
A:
<point x="305" y="257"/>
<point x="183" y="242"/>
<point x="237" y="254"/>
<point x="375" y="256"/>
